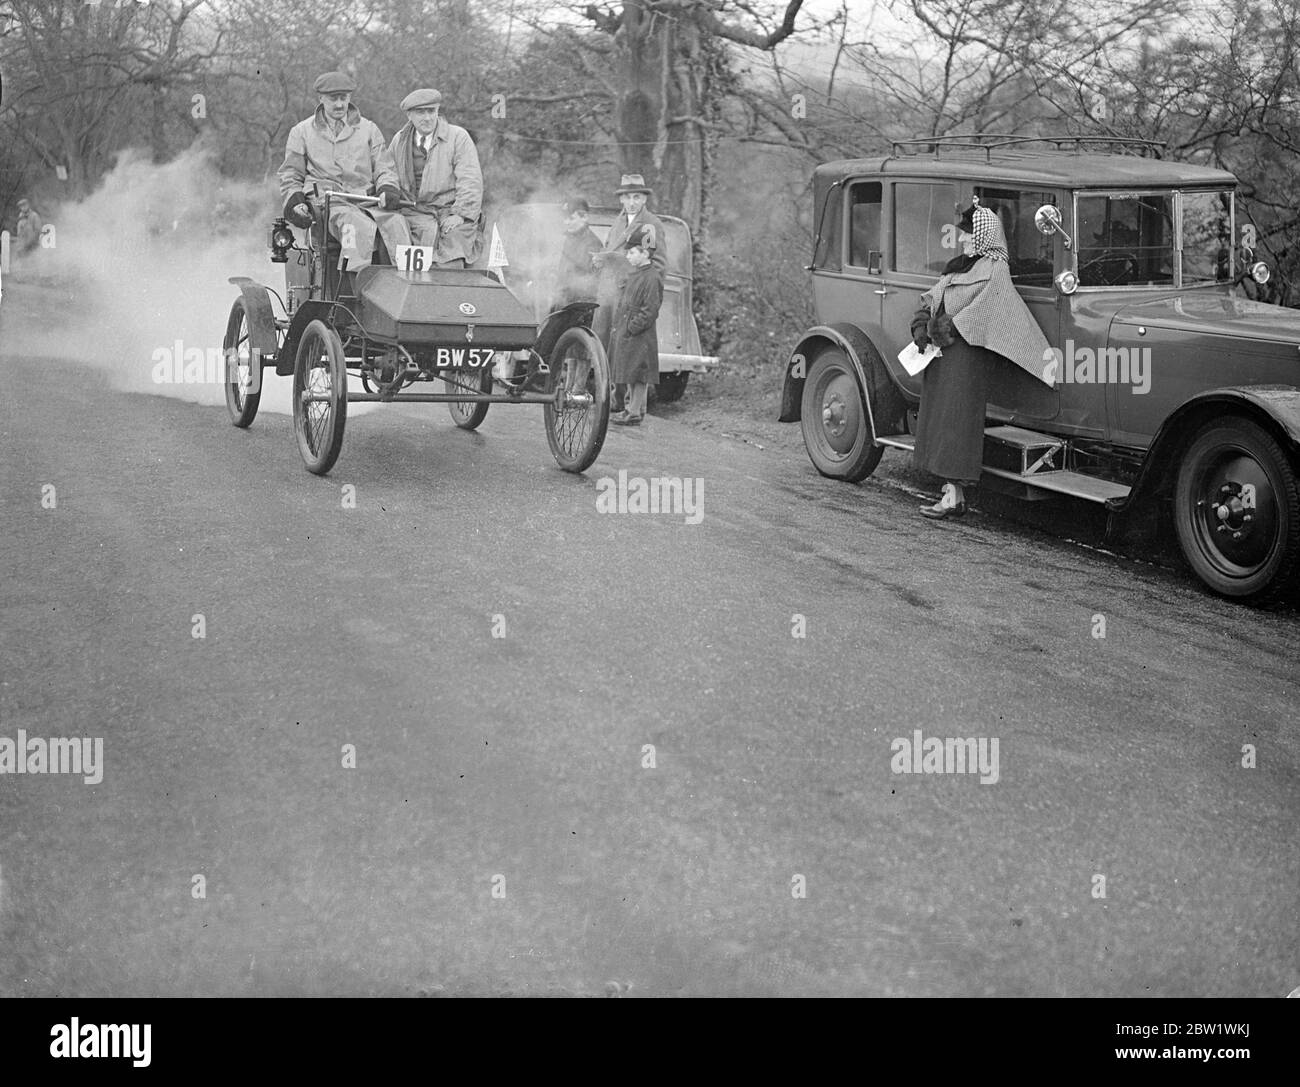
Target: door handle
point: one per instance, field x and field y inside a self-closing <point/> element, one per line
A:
<point x="881" y="290"/>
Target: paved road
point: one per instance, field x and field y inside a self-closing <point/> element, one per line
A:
<point x="516" y="762"/>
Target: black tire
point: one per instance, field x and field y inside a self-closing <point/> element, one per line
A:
<point x="320" y="367"/>
<point x="241" y="402"/>
<point x="469" y="416"/>
<point x="1237" y="511"/>
<point x="833" y="416"/>
<point x="576" y="432"/>
<point x="671" y="387"/>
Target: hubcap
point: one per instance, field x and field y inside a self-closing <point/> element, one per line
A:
<point x="1237" y="516"/>
<point x="840" y="412"/>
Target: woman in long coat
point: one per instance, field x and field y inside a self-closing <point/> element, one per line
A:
<point x="978" y="321"/>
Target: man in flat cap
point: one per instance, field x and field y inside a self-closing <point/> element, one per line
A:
<point x="437" y="167"/>
<point x="336" y="149"/>
<point x="612" y="263"/>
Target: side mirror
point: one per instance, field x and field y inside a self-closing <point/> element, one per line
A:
<point x="1048" y="221"/>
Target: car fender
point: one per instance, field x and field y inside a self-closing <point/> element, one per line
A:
<point x="261" y="318"/>
<point x="305" y="313"/>
<point x="1276" y="407"/>
<point x="886" y="408"/>
<point x="575" y="314"/>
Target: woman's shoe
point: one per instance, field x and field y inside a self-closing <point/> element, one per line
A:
<point x="939" y="511"/>
<point x="947" y="506"/>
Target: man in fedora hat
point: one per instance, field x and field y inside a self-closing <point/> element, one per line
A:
<point x="614" y="269"/>
<point x="438" y="170"/>
<point x="336" y="149"/>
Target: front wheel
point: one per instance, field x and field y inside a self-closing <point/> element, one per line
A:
<point x="578" y="416"/>
<point x="243" y="368"/>
<point x="1237" y="511"/>
<point x="833" y="417"/>
<point x="320" y="396"/>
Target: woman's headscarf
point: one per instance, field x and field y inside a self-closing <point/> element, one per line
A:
<point x="986" y="230"/>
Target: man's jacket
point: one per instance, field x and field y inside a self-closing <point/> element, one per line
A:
<point x="354" y="160"/>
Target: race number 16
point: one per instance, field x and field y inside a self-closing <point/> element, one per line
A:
<point x="414" y="258"/>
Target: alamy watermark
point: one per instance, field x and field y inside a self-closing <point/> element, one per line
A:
<point x="58" y="755"/>
<point x="181" y="365"/>
<point x="658" y="494"/>
<point x="1104" y="366"/>
<point x="946" y="755"/>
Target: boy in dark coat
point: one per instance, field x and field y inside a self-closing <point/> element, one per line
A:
<point x="577" y="277"/>
<point x="634" y="341"/>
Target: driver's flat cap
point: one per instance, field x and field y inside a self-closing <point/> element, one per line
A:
<point x="335" y="83"/>
<point x="422" y="99"/>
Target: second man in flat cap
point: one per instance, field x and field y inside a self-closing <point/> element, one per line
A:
<point x="438" y="168"/>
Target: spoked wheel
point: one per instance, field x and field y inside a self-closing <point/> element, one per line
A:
<point x="320" y="396"/>
<point x="576" y="420"/>
<point x="834" y="420"/>
<point x="468" y="416"/>
<point x="1237" y="511"/>
<point x="243" y="373"/>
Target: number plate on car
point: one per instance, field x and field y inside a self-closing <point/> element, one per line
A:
<point x="474" y="357"/>
<point x="414" y="258"/>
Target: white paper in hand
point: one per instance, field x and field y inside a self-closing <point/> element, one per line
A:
<point x="915" y="361"/>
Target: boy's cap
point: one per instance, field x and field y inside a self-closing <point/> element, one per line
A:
<point x="576" y="204"/>
<point x="644" y="238"/>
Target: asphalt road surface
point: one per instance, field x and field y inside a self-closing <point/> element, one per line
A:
<point x="502" y="661"/>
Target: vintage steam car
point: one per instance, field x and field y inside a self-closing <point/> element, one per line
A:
<point x="401" y="323"/>
<point x="1172" y="386"/>
<point x="532" y="235"/>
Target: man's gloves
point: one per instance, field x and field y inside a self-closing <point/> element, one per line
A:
<point x="920" y="339"/>
<point x="298" y="211"/>
<point x="452" y="221"/>
<point x="389" y="198"/>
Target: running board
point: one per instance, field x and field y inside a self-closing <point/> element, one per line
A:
<point x="1074" y="484"/>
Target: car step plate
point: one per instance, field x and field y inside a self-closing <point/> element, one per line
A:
<point x="1074" y="484"/>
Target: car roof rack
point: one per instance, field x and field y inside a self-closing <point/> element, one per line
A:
<point x="988" y="142"/>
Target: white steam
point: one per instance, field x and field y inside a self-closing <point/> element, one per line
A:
<point x="147" y="258"/>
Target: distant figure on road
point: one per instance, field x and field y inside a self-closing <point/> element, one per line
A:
<point x="28" y="234"/>
<point x="634" y="355"/>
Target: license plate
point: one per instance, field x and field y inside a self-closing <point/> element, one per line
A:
<point x="473" y="357"/>
<point x="414" y="258"/>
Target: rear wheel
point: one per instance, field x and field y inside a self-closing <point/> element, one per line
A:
<point x="1237" y="511"/>
<point x="468" y="416"/>
<point x="320" y="396"/>
<point x="576" y="420"/>
<point x="243" y="371"/>
<point x="834" y="420"/>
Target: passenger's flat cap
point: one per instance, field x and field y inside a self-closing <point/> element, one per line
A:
<point x="335" y="83"/>
<point x="422" y="99"/>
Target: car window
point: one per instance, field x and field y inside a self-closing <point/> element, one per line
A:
<point x="1126" y="239"/>
<point x="1029" y="253"/>
<point x="864" y="225"/>
<point x="1207" y="237"/>
<point x="827" y="255"/>
<point x="924" y="235"/>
